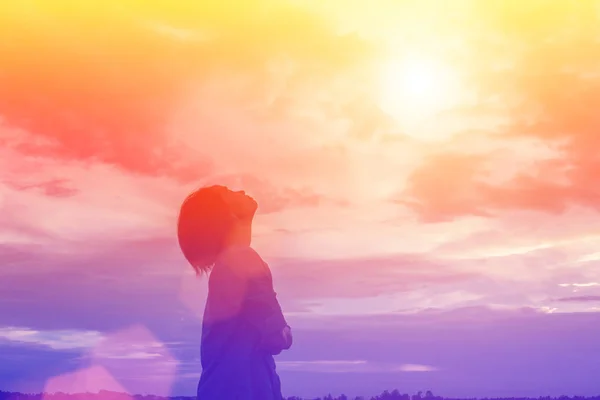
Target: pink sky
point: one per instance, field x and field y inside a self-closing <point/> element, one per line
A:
<point x="426" y="168"/>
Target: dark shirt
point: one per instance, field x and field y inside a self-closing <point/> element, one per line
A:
<point x="241" y="330"/>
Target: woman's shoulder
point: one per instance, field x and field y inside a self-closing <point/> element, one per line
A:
<point x="242" y="260"/>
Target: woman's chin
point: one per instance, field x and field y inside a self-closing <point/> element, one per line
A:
<point x="247" y="212"/>
<point x="252" y="206"/>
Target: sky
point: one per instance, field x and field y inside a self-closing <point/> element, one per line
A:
<point x="425" y="172"/>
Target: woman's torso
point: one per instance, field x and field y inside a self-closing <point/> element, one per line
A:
<point x="233" y="364"/>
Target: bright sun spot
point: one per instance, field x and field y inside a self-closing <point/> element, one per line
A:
<point x="414" y="90"/>
<point x="417" y="78"/>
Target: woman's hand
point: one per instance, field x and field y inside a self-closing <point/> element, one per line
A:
<point x="287" y="337"/>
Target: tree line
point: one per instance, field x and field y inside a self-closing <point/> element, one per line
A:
<point x="385" y="395"/>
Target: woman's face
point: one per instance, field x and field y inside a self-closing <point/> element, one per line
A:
<point x="242" y="206"/>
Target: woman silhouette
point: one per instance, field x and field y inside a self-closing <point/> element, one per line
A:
<point x="243" y="325"/>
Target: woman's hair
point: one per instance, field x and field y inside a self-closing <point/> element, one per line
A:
<point x="203" y="226"/>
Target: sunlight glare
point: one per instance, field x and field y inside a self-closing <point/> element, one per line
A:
<point x="415" y="89"/>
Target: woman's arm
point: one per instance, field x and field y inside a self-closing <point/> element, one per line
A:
<point x="264" y="310"/>
<point x="249" y="291"/>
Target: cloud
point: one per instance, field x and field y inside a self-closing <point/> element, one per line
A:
<point x="135" y="269"/>
<point x="120" y="114"/>
<point x="54" y="188"/>
<point x="537" y="78"/>
<point x="271" y="197"/>
<point x="581" y="299"/>
<point x="324" y="365"/>
<point x="459" y="344"/>
<point x="303" y="279"/>
<point x="454" y="346"/>
<point x="587" y="284"/>
<point x="350" y="366"/>
<point x="126" y="353"/>
<point x="70" y="204"/>
<point x="54" y="339"/>
<point x="416" y="368"/>
<point x="488" y="182"/>
<point x="462" y="194"/>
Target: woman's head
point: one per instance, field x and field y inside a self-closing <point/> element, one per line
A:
<point x="211" y="219"/>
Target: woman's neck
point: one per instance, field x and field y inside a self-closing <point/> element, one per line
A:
<point x="240" y="236"/>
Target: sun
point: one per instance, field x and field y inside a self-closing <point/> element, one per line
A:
<point x="416" y="78"/>
<point x="415" y="89"/>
